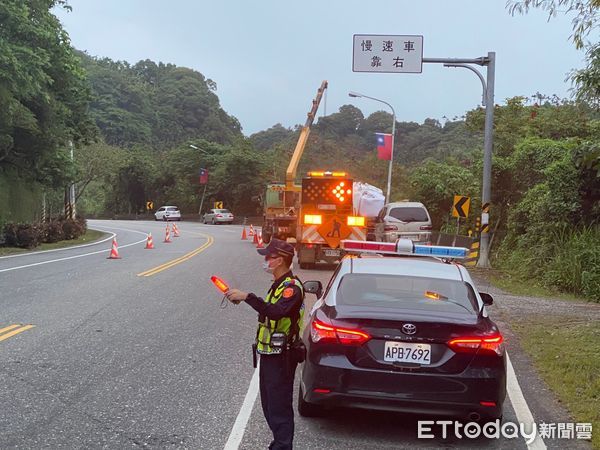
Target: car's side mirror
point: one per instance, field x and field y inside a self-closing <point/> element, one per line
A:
<point x="313" y="287"/>
<point x="487" y="298"/>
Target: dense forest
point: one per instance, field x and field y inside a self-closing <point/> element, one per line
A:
<point x="133" y="126"/>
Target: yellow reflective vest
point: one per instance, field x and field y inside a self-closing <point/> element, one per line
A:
<point x="267" y="327"/>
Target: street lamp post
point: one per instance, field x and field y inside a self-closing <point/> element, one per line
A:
<point x="389" y="180"/>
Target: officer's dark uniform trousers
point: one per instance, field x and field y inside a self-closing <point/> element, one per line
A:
<point x="276" y="394"/>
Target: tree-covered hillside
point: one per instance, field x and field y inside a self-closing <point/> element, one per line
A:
<point x="155" y="104"/>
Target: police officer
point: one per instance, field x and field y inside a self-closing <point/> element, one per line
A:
<point x="279" y="323"/>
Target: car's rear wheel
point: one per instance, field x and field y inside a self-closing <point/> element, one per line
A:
<point x="306" y="409"/>
<point x="213" y="222"/>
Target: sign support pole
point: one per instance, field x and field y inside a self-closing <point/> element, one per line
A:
<point x="202" y="200"/>
<point x="488" y="94"/>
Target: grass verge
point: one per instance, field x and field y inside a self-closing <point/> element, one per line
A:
<point x="518" y="286"/>
<point x="89" y="236"/>
<point x="567" y="356"/>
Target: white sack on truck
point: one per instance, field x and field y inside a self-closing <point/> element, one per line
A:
<point x="367" y="200"/>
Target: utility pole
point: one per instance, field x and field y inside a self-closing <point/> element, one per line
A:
<point x="72" y="189"/>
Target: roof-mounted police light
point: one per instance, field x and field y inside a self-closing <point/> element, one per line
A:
<point x="405" y="247"/>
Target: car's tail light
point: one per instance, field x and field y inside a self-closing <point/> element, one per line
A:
<point x="322" y="332"/>
<point x="489" y="344"/>
<point x="425" y="227"/>
<point x="390" y="228"/>
<point x="219" y="216"/>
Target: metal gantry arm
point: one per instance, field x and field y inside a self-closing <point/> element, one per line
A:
<point x="477" y="72"/>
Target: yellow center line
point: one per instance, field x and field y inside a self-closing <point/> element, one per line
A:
<point x="174" y="262"/>
<point x="8" y="328"/>
<point x="13" y="332"/>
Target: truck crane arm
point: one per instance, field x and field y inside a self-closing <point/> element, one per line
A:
<point x="290" y="174"/>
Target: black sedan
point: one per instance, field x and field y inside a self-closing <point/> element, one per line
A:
<point x="406" y="333"/>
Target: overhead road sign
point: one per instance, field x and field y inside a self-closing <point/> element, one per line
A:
<point x="387" y="53"/>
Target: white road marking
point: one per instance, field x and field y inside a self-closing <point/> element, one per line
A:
<point x="239" y="427"/>
<point x="515" y="394"/>
<point x="61" y="249"/>
<point x="72" y="257"/>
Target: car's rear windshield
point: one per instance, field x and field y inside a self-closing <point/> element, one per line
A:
<point x="409" y="214"/>
<point x="404" y="292"/>
<point x="172" y="208"/>
<point x="222" y="211"/>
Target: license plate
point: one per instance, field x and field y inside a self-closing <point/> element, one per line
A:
<point x="332" y="252"/>
<point x="408" y="353"/>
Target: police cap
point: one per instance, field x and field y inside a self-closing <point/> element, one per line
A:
<point x="277" y="247"/>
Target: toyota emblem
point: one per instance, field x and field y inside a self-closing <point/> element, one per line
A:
<point x="409" y="328"/>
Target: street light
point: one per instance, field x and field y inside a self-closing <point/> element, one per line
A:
<point x="389" y="181"/>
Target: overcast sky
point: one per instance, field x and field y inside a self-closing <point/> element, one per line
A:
<point x="268" y="57"/>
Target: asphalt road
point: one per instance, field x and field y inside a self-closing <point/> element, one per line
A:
<point x="118" y="360"/>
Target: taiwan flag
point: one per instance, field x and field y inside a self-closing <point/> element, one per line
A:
<point x="384" y="146"/>
<point x="203" y="176"/>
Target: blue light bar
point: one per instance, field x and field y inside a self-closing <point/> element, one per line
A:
<point x="443" y="252"/>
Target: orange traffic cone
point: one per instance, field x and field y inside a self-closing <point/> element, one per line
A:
<point x="260" y="241"/>
<point x="175" y="231"/>
<point x="167" y="235"/>
<point x="255" y="240"/>
<point x="244" y="237"/>
<point x="114" y="251"/>
<point x="149" y="243"/>
<point x="251" y="232"/>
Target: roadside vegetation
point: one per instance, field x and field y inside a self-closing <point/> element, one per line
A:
<point x="87" y="238"/>
<point x="31" y="235"/>
<point x="567" y="355"/>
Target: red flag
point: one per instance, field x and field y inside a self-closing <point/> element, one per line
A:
<point x="203" y="176"/>
<point x="384" y="146"/>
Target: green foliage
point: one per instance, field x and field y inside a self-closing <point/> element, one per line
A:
<point x="160" y="105"/>
<point x="587" y="14"/>
<point x="587" y="80"/>
<point x="564" y="258"/>
<point x="43" y="92"/>
<point x="239" y="177"/>
<point x="20" y="198"/>
<point x="435" y="184"/>
<point x="267" y="139"/>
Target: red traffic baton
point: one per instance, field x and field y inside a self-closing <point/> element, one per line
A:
<point x="219" y="284"/>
